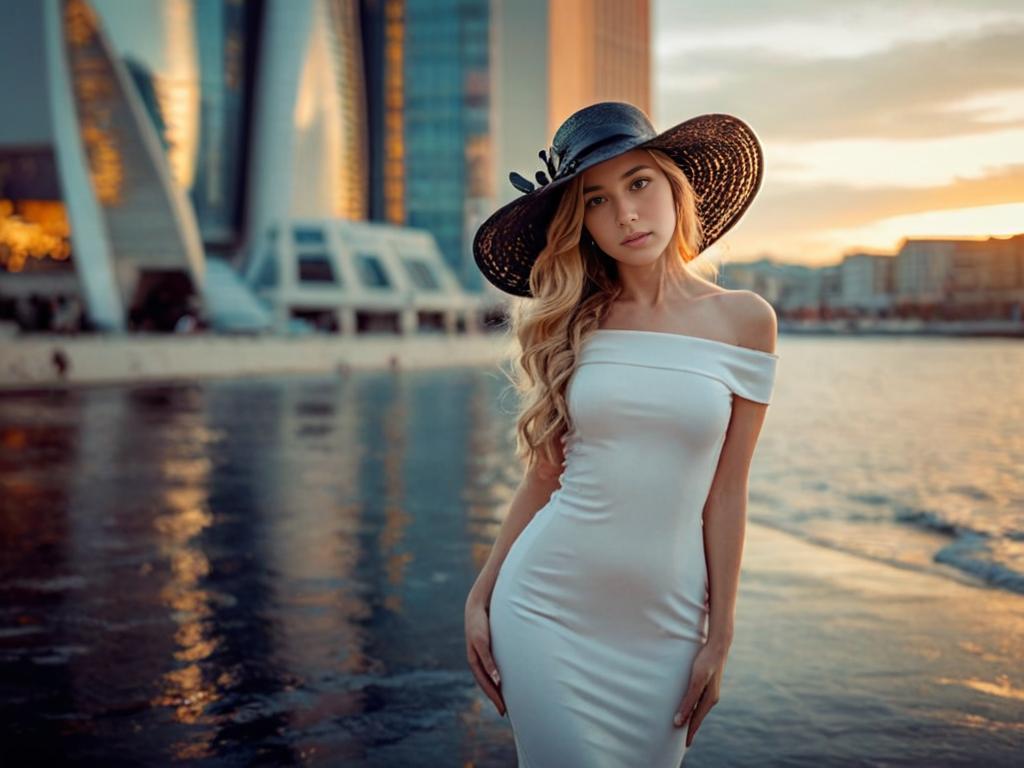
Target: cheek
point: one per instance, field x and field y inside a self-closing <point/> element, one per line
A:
<point x="666" y="207"/>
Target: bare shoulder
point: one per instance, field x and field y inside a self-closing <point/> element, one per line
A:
<point x="752" y="319"/>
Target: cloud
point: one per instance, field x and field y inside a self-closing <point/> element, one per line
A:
<point x="808" y="221"/>
<point x="800" y="207"/>
<point x="891" y="162"/>
<point x="833" y="30"/>
<point x="910" y="91"/>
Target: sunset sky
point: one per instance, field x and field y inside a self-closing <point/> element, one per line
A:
<point x="879" y="120"/>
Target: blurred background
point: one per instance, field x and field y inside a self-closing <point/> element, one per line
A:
<point x="246" y="225"/>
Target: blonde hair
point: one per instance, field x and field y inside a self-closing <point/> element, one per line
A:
<point x="573" y="284"/>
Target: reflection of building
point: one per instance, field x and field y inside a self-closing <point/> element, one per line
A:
<point x="163" y="142"/>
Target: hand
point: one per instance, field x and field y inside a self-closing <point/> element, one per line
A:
<point x="705" y="683"/>
<point x="478" y="651"/>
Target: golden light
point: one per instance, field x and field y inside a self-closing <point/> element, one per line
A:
<point x="33" y="229"/>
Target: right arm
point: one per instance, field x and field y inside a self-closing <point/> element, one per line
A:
<point x="533" y="493"/>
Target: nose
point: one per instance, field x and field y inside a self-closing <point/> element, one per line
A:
<point x="626" y="214"/>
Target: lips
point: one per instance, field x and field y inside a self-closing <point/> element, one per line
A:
<point x="637" y="236"/>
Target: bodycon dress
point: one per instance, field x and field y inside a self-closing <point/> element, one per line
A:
<point x="600" y="605"/>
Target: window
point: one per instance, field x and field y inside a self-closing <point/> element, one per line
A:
<point x="422" y="275"/>
<point x="371" y="271"/>
<point x="316" y="268"/>
<point x="266" y="277"/>
<point x="308" y="235"/>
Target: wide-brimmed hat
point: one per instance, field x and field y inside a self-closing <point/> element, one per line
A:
<point x="720" y="155"/>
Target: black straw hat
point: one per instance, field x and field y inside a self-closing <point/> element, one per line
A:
<point x="720" y="155"/>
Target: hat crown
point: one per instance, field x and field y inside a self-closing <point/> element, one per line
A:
<point x="598" y="125"/>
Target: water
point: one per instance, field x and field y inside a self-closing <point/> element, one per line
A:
<point x="274" y="571"/>
<point x="910" y="450"/>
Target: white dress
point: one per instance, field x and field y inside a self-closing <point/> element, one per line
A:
<point x="600" y="605"/>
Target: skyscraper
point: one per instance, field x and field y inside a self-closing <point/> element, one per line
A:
<point x="551" y="58"/>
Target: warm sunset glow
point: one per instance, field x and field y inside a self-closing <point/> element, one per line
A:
<point x="963" y="223"/>
<point x="875" y="127"/>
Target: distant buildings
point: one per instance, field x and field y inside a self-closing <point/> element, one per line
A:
<point x="926" y="278"/>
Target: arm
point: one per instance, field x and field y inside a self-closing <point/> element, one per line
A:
<point x="725" y="511"/>
<point x="533" y="493"/>
<point x="724" y="514"/>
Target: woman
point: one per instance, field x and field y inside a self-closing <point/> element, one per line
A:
<point x="604" y="615"/>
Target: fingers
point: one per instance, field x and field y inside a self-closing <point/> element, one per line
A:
<point x="484" y="651"/>
<point x="699" y="683"/>
<point x="478" y="655"/>
<point x="689" y="702"/>
<point x="707" y="701"/>
<point x="488" y="688"/>
<point x="487" y="681"/>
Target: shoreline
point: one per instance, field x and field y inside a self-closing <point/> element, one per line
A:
<point x="860" y="658"/>
<point x="31" y="363"/>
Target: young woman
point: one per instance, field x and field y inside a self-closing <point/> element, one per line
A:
<point x="604" y="614"/>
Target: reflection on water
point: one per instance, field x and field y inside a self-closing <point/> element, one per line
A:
<point x="274" y="571"/>
<point x="258" y="570"/>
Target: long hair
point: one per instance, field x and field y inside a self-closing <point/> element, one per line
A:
<point x="573" y="284"/>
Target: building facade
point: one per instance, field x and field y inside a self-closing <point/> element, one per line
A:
<point x="164" y="149"/>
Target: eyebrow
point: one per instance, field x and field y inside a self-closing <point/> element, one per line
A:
<point x="630" y="172"/>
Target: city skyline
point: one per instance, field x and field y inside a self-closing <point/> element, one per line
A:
<point x="879" y="122"/>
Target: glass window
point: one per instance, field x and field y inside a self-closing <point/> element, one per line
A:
<point x="308" y="235"/>
<point x="266" y="277"/>
<point x="371" y="271"/>
<point x="316" y="268"/>
<point x="422" y="275"/>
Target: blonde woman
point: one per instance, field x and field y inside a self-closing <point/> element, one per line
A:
<point x="603" y="616"/>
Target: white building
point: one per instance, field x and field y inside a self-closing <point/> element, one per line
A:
<point x="161" y="149"/>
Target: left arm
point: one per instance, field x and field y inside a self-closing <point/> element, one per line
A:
<point x="724" y="515"/>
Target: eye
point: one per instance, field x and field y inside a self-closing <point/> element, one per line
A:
<point x="644" y="179"/>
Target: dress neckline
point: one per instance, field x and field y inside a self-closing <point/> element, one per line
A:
<point x="701" y="339"/>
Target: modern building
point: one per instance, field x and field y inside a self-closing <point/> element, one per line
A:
<point x="160" y="147"/>
<point x="428" y="100"/>
<point x="361" y="277"/>
<point x="553" y="58"/>
<point x="599" y="50"/>
<point x="922" y="271"/>
<point x="550" y="58"/>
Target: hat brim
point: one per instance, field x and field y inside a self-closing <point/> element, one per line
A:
<point x="719" y="153"/>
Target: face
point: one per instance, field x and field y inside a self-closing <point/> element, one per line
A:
<point x="628" y="196"/>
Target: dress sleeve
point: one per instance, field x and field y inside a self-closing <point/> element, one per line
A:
<point x="752" y="376"/>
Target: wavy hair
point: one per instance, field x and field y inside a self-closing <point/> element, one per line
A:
<point x="574" y="283"/>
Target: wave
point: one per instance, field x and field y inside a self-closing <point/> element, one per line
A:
<point x="971" y="557"/>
